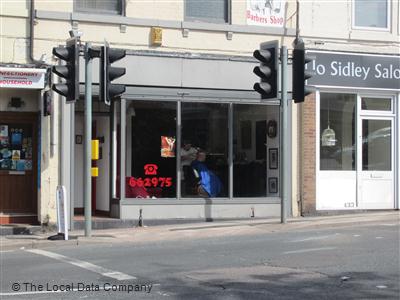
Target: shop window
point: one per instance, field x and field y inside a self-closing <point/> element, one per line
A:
<point x="207" y="10"/>
<point x="16" y="147"/>
<point x="371" y="14"/>
<point x="376" y="104"/>
<point x="151" y="150"/>
<point x="205" y="164"/>
<point x="337" y="131"/>
<point x="100" y="6"/>
<point x="254" y="133"/>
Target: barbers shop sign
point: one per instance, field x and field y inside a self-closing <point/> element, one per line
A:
<point x="355" y="70"/>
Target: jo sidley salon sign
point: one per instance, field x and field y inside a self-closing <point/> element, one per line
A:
<point x="334" y="69"/>
<point x="266" y="12"/>
<point x="22" y="78"/>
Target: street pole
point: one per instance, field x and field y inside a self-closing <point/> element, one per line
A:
<point x="284" y="136"/>
<point x="87" y="166"/>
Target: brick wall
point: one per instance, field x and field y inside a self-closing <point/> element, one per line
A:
<point x="308" y="180"/>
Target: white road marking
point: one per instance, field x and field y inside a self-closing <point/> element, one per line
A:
<point x="379" y="237"/>
<point x="6" y="251"/>
<point x="381" y="286"/>
<point x="83" y="264"/>
<point x="309" y="250"/>
<point x="315" y="238"/>
<point x="389" y="224"/>
<point x="356" y="235"/>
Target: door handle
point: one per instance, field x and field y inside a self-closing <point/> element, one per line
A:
<point x="16" y="173"/>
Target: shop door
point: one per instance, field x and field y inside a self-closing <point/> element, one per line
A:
<point x="18" y="163"/>
<point x="376" y="163"/>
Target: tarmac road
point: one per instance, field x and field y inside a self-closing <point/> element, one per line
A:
<point x="349" y="257"/>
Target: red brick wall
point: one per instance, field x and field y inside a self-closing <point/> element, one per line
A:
<point x="308" y="154"/>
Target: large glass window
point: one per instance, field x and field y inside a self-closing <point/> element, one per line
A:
<point x="371" y="13"/>
<point x="207" y="10"/>
<point x="99" y="6"/>
<point x="151" y="149"/>
<point x="255" y="139"/>
<point x="205" y="171"/>
<point x="337" y="131"/>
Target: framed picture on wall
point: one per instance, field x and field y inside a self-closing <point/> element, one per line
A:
<point x="273" y="185"/>
<point x="273" y="158"/>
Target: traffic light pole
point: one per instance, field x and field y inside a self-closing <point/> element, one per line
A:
<point x="284" y="141"/>
<point x="87" y="166"/>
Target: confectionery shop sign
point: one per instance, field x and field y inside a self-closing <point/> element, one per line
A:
<point x="22" y="78"/>
<point x="355" y="70"/>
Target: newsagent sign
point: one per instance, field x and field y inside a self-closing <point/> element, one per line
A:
<point x="355" y="70"/>
<point x="22" y="78"/>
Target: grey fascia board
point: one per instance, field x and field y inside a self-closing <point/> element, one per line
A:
<point x="111" y="19"/>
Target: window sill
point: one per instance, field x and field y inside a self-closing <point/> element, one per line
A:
<point x="114" y="19"/>
<point x="199" y="201"/>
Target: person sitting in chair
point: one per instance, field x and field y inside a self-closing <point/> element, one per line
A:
<point x="209" y="185"/>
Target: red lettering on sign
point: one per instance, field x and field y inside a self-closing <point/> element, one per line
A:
<point x="150" y="182"/>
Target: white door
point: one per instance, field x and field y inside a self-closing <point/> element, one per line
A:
<point x="376" y="163"/>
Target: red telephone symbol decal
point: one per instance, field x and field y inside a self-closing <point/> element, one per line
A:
<point x="150" y="169"/>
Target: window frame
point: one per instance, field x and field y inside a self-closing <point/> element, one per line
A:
<point x="122" y="11"/>
<point x="388" y="19"/>
<point x="206" y="19"/>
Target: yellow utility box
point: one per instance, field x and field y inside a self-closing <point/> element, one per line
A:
<point x="95" y="149"/>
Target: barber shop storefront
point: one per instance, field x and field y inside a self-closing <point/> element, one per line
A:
<point x="356" y="136"/>
<point x="193" y="142"/>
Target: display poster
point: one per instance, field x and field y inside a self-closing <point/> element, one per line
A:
<point x="269" y="13"/>
<point x="168" y="146"/>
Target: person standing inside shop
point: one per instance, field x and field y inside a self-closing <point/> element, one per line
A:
<point x="209" y="184"/>
<point x="188" y="155"/>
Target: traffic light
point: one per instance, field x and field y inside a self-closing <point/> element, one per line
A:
<point x="108" y="90"/>
<point x="70" y="71"/>
<point x="268" y="70"/>
<point x="300" y="74"/>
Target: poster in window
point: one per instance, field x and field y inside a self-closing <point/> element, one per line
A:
<point x="168" y="146"/>
<point x="273" y="158"/>
<point x="268" y="13"/>
<point x="273" y="185"/>
<point x="3" y="135"/>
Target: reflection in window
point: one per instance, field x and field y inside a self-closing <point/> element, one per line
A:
<point x="376" y="145"/>
<point x="383" y="104"/>
<point x="151" y="141"/>
<point x="205" y="171"/>
<point x="207" y="10"/>
<point x="371" y="13"/>
<point x="337" y="112"/>
<point x="250" y="144"/>
<point x="99" y="6"/>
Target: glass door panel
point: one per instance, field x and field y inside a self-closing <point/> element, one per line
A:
<point x="376" y="176"/>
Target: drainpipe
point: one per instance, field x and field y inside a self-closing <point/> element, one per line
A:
<point x="31" y="30"/>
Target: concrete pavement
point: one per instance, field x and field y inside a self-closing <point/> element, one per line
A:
<point x="139" y="235"/>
